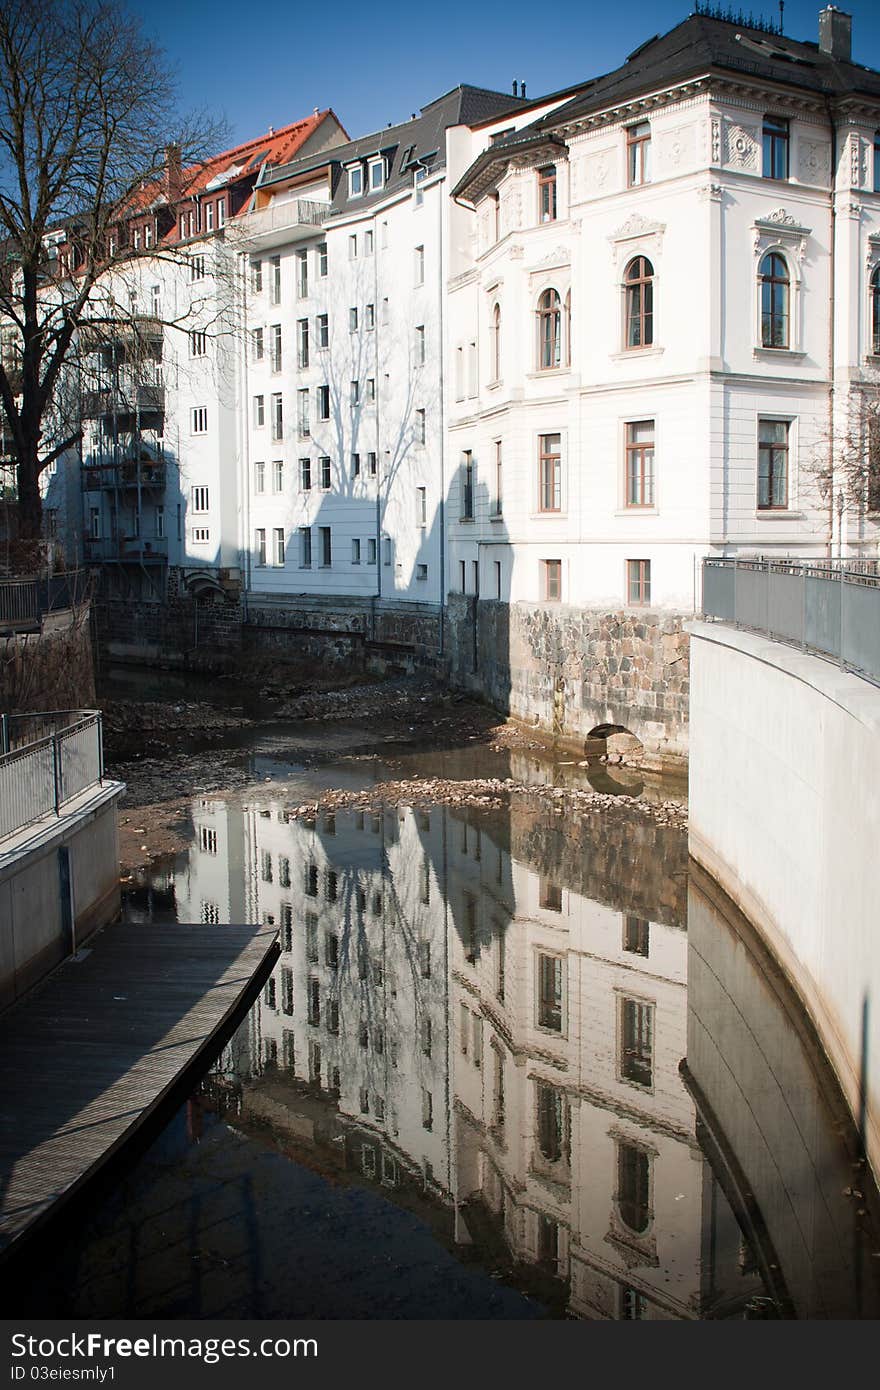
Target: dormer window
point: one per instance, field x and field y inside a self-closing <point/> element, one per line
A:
<point x="209" y="217"/>
<point x="148" y="235"/>
<point x="377" y="174"/>
<point x="221" y="211"/>
<point x="355" y="181"/>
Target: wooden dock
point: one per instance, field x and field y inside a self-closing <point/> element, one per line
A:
<point x="91" y="1054"/>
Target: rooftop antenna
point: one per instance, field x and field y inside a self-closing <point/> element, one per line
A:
<point x="781" y="8"/>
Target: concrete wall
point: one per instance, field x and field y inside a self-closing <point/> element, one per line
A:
<point x="785" y="816"/>
<point x="34" y="936"/>
<point x="570" y="669"/>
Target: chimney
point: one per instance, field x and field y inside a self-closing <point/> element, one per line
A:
<point x="835" y="33"/>
<point x="515" y="88"/>
<point x="523" y="87"/>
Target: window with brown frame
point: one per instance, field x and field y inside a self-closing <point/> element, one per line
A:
<point x="636" y="1055"/>
<point x="773" y="464"/>
<point x="639" y="282"/>
<point x="552" y="570"/>
<point x="640" y="463"/>
<point x="775" y="291"/>
<point x="638" y="154"/>
<point x="638" y="583"/>
<point x="550" y="993"/>
<point x="550" y="473"/>
<point x="549" y="331"/>
<point x="547" y="193"/>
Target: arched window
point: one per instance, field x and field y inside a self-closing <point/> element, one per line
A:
<point x="639" y="282"/>
<point x="875" y="312"/>
<point x="775" y="287"/>
<point x="549" y="331"/>
<point x="495" y="344"/>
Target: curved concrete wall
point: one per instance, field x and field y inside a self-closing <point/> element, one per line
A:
<point x="785" y="816"/>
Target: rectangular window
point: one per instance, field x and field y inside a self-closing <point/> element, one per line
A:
<point x="355" y="552"/>
<point x="550" y="993"/>
<point x="370" y="317"/>
<point x="197" y="263"/>
<point x="427" y="1109"/>
<point x="209" y="217"/>
<point x="420" y="345"/>
<point x="275" y="347"/>
<point x="275" y="281"/>
<point x="497" y="564"/>
<point x="221" y="212"/>
<point x="773" y="464"/>
<point x="198" y="343"/>
<point x="323" y="402"/>
<point x="352" y="320"/>
<point x="277" y="417"/>
<point x="499" y="479"/>
<point x="371" y="465"/>
<point x="638" y="583"/>
<point x="324" y="463"/>
<point x="638" y="153"/>
<point x="421" y="572"/>
<point x="259" y="412"/>
<point x="636" y="1056"/>
<point x="640" y="463"/>
<point x="355" y="392"/>
<point x="302" y="413"/>
<point x="160" y="522"/>
<point x="322" y="322"/>
<point x="302" y="274"/>
<point x="314" y="1001"/>
<point x="467" y="487"/>
<point x="355" y="181"/>
<point x="421" y="427"/>
<point x="260" y="545"/>
<point x="371" y="551"/>
<point x="371" y="389"/>
<point x="322" y="259"/>
<point x="198" y="420"/>
<point x="199" y="498"/>
<point x="305" y="474"/>
<point x="552" y="580"/>
<point x="547" y="193"/>
<point x="302" y="343"/>
<point x="305" y="547"/>
<point x="419" y="177"/>
<point x="420" y="265"/>
<point x="550" y="473"/>
<point x="278" y="475"/>
<point x="877" y="161"/>
<point x="257" y="277"/>
<point x="353" y="247"/>
<point x="421" y="506"/>
<point x="377" y="174"/>
<point x="776" y="141"/>
<point x="279" y="546"/>
<point x="257" y="344"/>
<point x="355" y="465"/>
<point x="636" y="935"/>
<point x="326" y="553"/>
<point x="368" y="242"/>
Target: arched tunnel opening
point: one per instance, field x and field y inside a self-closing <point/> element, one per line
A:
<point x="612" y="743"/>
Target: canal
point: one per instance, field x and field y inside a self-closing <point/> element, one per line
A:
<point x="514" y="1062"/>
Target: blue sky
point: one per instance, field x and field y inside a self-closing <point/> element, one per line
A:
<point x="374" y="65"/>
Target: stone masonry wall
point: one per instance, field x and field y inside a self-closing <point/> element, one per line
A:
<point x="571" y="670"/>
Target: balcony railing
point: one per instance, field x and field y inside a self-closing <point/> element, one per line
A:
<point x="25" y="599"/>
<point x="279" y="217"/>
<point x="45" y="761"/>
<point x="96" y="476"/>
<point x="109" y="548"/>
<point x="829" y="607"/>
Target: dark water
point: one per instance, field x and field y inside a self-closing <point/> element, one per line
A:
<point x="505" y="1067"/>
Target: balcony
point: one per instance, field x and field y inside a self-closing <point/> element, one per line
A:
<point x="282" y="223"/>
<point x="126" y="550"/>
<point x="144" y="398"/>
<point x="128" y="474"/>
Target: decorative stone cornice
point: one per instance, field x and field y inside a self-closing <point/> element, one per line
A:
<point x="780" y="228"/>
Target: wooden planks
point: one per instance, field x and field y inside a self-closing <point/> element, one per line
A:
<point x="91" y="1053"/>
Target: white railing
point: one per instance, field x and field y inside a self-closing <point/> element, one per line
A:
<point x="47" y="760"/>
<point x="280" y="217"/>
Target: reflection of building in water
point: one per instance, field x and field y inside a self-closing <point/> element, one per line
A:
<point x="487" y="1028"/>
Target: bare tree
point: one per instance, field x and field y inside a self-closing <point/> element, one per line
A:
<point x="846" y="463"/>
<point x="87" y="118"/>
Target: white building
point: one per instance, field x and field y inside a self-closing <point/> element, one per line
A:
<point x="643" y="310"/>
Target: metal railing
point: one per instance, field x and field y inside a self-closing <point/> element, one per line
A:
<point x="829" y="607"/>
<point x="45" y="761"/>
<point x="24" y="599"/>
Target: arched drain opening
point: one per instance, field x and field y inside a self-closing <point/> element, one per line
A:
<point x="612" y="743"/>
